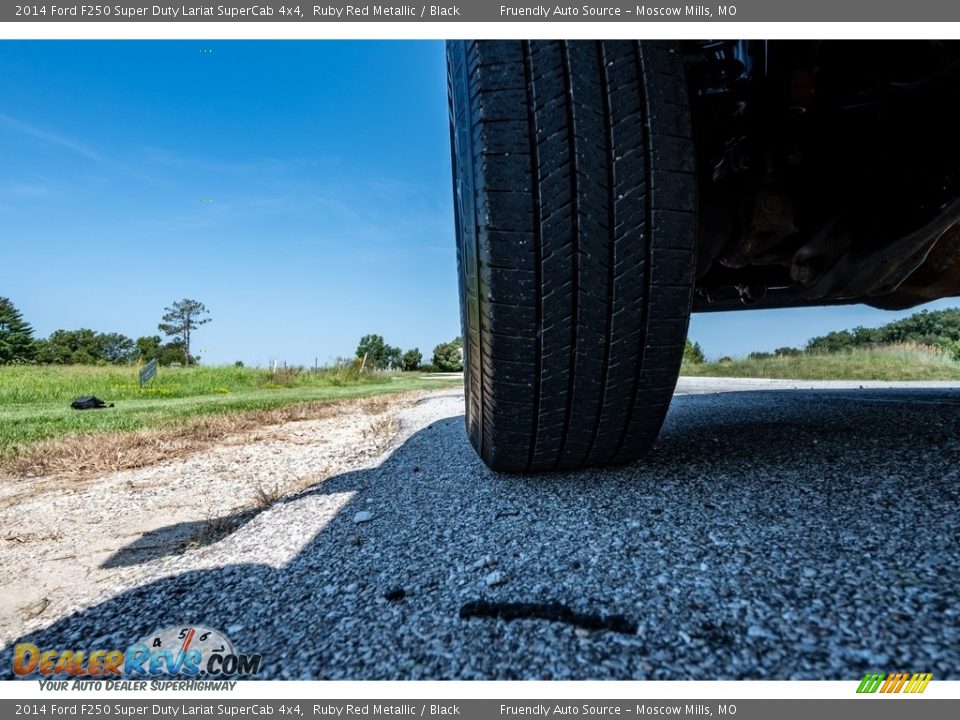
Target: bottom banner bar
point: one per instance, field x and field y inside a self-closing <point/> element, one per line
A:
<point x="873" y="707"/>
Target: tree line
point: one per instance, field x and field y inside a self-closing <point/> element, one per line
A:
<point x="374" y="353"/>
<point x="939" y="328"/>
<point x="178" y="323"/>
<point x="88" y="347"/>
<point x="935" y="328"/>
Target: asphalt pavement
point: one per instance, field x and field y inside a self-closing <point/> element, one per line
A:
<point x="778" y="530"/>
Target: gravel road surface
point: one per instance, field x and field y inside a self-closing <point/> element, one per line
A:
<point x="780" y="529"/>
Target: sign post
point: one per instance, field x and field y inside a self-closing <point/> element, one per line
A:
<point x="148" y="372"/>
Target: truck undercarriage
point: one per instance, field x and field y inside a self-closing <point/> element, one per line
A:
<point x="829" y="172"/>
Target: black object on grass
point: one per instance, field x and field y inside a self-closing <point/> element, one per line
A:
<point x="89" y="402"/>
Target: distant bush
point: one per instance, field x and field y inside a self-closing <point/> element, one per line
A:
<point x="953" y="348"/>
<point x="85" y="347"/>
<point x="151" y="347"/>
<point x="448" y="357"/>
<point x="411" y="360"/>
<point x="283" y="376"/>
<point x="349" y="371"/>
<point x="692" y="352"/>
<point x="377" y="353"/>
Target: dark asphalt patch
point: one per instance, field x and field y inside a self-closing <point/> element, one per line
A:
<point x="550" y="611"/>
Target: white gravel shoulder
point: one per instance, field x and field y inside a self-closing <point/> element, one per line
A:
<point x="66" y="545"/>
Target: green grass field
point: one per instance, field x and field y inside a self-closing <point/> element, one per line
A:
<point x="890" y="362"/>
<point x="35" y="400"/>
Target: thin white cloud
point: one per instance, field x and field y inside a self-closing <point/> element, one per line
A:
<point x="51" y="138"/>
<point x="19" y="189"/>
<point x="259" y="167"/>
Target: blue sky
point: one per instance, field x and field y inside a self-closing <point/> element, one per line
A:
<point x="301" y="190"/>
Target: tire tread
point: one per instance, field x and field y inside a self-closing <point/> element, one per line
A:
<point x="575" y="194"/>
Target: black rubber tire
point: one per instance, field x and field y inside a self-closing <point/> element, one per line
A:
<point x="575" y="197"/>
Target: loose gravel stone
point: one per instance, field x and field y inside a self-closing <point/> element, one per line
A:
<point x="484" y="562"/>
<point x="495" y="578"/>
<point x="363" y="516"/>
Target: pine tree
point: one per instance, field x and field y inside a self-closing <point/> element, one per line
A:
<point x="16" y="335"/>
<point x="179" y="322"/>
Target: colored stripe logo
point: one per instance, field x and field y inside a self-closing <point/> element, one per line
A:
<point x="894" y="683"/>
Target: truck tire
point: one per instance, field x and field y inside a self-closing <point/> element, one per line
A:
<point x="575" y="194"/>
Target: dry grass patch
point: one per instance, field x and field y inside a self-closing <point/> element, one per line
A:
<point x="215" y="529"/>
<point x="882" y="362"/>
<point x="82" y="456"/>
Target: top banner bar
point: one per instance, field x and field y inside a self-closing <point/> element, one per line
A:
<point x="898" y="11"/>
